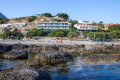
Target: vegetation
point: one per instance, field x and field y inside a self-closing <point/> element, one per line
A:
<point x="63" y="15"/>
<point x="73" y="22"/>
<point x="47" y="14"/>
<point x="14" y="34"/>
<point x="2" y="21"/>
<point x="114" y="28"/>
<point x="115" y="34"/>
<point x="32" y="18"/>
<point x="96" y="35"/>
<point x="35" y="32"/>
<point x="100" y="25"/>
<point x="58" y="33"/>
<point x="58" y="20"/>
<point x="72" y="35"/>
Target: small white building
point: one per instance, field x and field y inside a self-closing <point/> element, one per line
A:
<point x="14" y="25"/>
<point x="85" y="25"/>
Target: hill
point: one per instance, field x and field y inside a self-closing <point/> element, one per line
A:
<point x="30" y="25"/>
<point x="2" y="16"/>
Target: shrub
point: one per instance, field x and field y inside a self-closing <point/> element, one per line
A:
<point x="72" y="35"/>
<point x="32" y="18"/>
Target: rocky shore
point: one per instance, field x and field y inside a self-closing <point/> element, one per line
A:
<point x="49" y="54"/>
<point x="23" y="73"/>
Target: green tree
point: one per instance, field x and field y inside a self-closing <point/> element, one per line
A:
<point x="35" y="32"/>
<point x="100" y="25"/>
<point x="73" y="22"/>
<point x="114" y="28"/>
<point x="114" y="34"/>
<point x="59" y="34"/>
<point x="47" y="14"/>
<point x="63" y="15"/>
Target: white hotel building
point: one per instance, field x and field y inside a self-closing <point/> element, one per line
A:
<point x="85" y="26"/>
<point x="53" y="25"/>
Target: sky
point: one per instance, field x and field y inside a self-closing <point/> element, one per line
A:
<point x="107" y="11"/>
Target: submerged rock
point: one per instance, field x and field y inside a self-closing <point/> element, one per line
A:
<point x="16" y="54"/>
<point x="23" y="73"/>
<point x="101" y="58"/>
<point x="5" y="48"/>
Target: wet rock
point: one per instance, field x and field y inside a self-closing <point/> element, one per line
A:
<point x="101" y="58"/>
<point x="16" y="54"/>
<point x="5" y="48"/>
<point x="33" y="63"/>
<point x="23" y="73"/>
<point x="53" y="57"/>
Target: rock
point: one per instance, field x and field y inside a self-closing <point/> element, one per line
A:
<point x="70" y="48"/>
<point x="101" y="58"/>
<point x="33" y="63"/>
<point x="23" y="73"/>
<point x="16" y="54"/>
<point x="5" y="48"/>
<point x="53" y="57"/>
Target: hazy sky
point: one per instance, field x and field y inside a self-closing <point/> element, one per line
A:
<point x="95" y="10"/>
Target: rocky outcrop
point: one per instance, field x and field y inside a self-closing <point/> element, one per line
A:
<point x="23" y="73"/>
<point x="50" y="58"/>
<point x="5" y="48"/>
<point x="36" y="48"/>
<point x="16" y="54"/>
<point x="101" y="58"/>
<point x="53" y="57"/>
<point x="71" y="48"/>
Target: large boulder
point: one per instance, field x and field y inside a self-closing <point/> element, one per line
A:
<point x="5" y="48"/>
<point x="53" y="57"/>
<point x="101" y="58"/>
<point x="23" y="73"/>
<point x="16" y="54"/>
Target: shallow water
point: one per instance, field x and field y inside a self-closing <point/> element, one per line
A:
<point x="75" y="70"/>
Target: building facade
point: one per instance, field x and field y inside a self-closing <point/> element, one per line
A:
<point x="86" y="22"/>
<point x="85" y="26"/>
<point x="53" y="25"/>
<point x="14" y="25"/>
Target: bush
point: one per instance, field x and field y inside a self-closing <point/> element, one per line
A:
<point x="35" y="32"/>
<point x="32" y="18"/>
<point x="7" y="33"/>
<point x="59" y="34"/>
<point x="115" y="34"/>
<point x="114" y="28"/>
<point x="72" y="35"/>
<point x="2" y="21"/>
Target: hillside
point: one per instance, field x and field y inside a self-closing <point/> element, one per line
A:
<point x="30" y="25"/>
